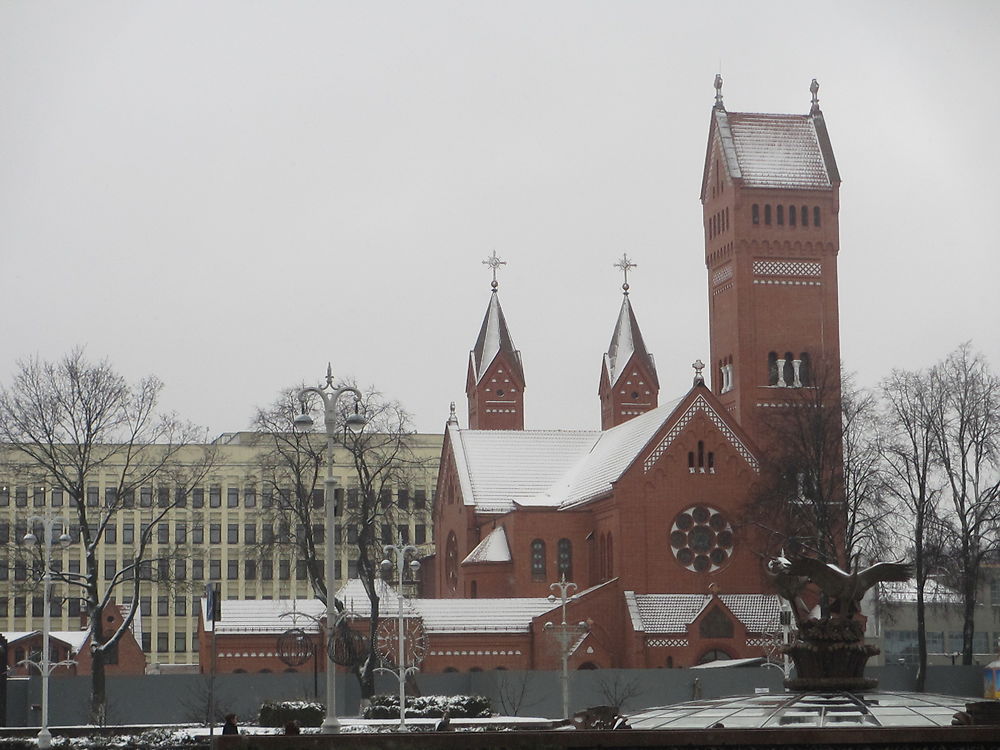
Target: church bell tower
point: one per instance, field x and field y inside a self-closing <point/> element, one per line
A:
<point x="771" y="200"/>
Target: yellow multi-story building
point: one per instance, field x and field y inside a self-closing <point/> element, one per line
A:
<point x="227" y="529"/>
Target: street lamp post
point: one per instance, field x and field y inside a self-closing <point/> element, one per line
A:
<point x="400" y="551"/>
<point x="330" y="395"/>
<point x="45" y="665"/>
<point x="565" y="635"/>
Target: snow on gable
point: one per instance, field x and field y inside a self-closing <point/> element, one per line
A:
<point x="493" y="549"/>
<point x="700" y="404"/>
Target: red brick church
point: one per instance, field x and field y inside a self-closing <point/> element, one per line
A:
<point x="645" y="514"/>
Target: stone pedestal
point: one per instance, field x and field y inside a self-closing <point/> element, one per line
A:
<point x="830" y="654"/>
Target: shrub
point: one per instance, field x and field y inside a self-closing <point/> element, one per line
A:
<point x="279" y="713"/>
<point x="430" y="707"/>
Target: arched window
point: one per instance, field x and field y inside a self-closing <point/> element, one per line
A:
<point x="711" y="462"/>
<point x="448" y="670"/>
<point x="772" y="368"/>
<point x="691" y="462"/>
<point x="611" y="557"/>
<point x="805" y="369"/>
<point x="789" y="369"/>
<point x="791" y="216"/>
<point x="781" y="215"/>
<point x="701" y="456"/>
<point x="815" y="216"/>
<point x="755" y="213"/>
<point x="588" y="665"/>
<point x="538" y="560"/>
<point x="767" y="214"/>
<point x="805" y="216"/>
<point x="602" y="558"/>
<point x="566" y="559"/>
<point x="473" y="590"/>
<point x="451" y="561"/>
<point x="472" y="669"/>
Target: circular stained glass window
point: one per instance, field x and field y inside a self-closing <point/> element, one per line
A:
<point x="701" y="539"/>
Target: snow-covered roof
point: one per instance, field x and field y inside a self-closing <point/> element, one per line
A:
<point x="547" y="468"/>
<point x="501" y="467"/>
<point x="775" y="150"/>
<point x="672" y="613"/>
<point x="274" y="616"/>
<point x="626" y="341"/>
<point x="480" y="615"/>
<point x="759" y="613"/>
<point x="72" y="638"/>
<point x="905" y="592"/>
<point x="494" y="337"/>
<point x="494" y="548"/>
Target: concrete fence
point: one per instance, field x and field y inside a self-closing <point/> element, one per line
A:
<point x="184" y="698"/>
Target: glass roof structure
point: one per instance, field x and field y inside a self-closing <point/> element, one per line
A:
<point x="805" y="710"/>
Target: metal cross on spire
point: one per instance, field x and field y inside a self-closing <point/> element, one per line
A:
<point x="624" y="265"/>
<point x="494" y="263"/>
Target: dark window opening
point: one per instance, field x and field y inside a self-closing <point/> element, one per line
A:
<point x="755" y="213"/>
<point x="781" y="215"/>
<point x="767" y="214"/>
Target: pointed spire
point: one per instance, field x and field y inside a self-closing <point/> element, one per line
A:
<point x="494" y="338"/>
<point x="626" y="339"/>
<point x="718" y="92"/>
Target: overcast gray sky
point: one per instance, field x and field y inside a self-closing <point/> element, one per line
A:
<point x="230" y="194"/>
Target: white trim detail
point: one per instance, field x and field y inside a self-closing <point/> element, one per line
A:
<point x="787" y="268"/>
<point x="700" y="404"/>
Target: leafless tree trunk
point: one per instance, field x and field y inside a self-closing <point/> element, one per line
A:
<point x="907" y="447"/>
<point x="966" y="428"/>
<point x="74" y="422"/>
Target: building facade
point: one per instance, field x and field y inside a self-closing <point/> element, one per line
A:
<point x="225" y="530"/>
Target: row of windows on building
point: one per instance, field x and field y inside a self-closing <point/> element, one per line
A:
<point x="795" y="215"/>
<point x="902" y="644"/>
<point x="718" y="222"/>
<point x="701" y="461"/>
<point x="196" y="498"/>
<point x="194" y="533"/>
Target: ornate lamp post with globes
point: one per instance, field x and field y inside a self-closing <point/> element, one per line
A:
<point x="330" y="395"/>
<point x="44" y="665"/>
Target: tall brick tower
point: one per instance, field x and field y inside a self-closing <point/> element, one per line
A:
<point x="628" y="385"/>
<point x="770" y="197"/>
<point x="495" y="381"/>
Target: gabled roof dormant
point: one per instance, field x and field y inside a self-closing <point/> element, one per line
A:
<point x="773" y="150"/>
<point x="672" y="613"/>
<point x="494" y="338"/>
<point x="493" y="549"/>
<point x="626" y="341"/>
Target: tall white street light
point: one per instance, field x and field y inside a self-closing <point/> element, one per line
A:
<point x="330" y="395"/>
<point x="45" y="665"/>
<point x="400" y="551"/>
<point x="565" y="634"/>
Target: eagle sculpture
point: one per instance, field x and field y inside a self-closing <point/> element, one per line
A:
<point x="843" y="589"/>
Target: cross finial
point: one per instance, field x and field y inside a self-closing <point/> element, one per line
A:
<point x="718" y="91"/>
<point x="814" y="88"/>
<point x="329" y="375"/>
<point x="624" y="265"/>
<point x="698" y="366"/>
<point x="494" y="262"/>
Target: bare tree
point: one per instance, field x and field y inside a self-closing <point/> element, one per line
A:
<point x="800" y="501"/>
<point x="906" y="444"/>
<point x="75" y="422"/>
<point x="965" y="422"/>
<point x="381" y="459"/>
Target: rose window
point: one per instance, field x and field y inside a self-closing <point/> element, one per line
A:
<point x="701" y="539"/>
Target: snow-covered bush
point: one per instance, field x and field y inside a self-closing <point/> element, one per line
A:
<point x="430" y="707"/>
<point x="279" y="713"/>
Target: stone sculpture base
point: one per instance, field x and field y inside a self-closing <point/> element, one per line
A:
<point x="830" y="654"/>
